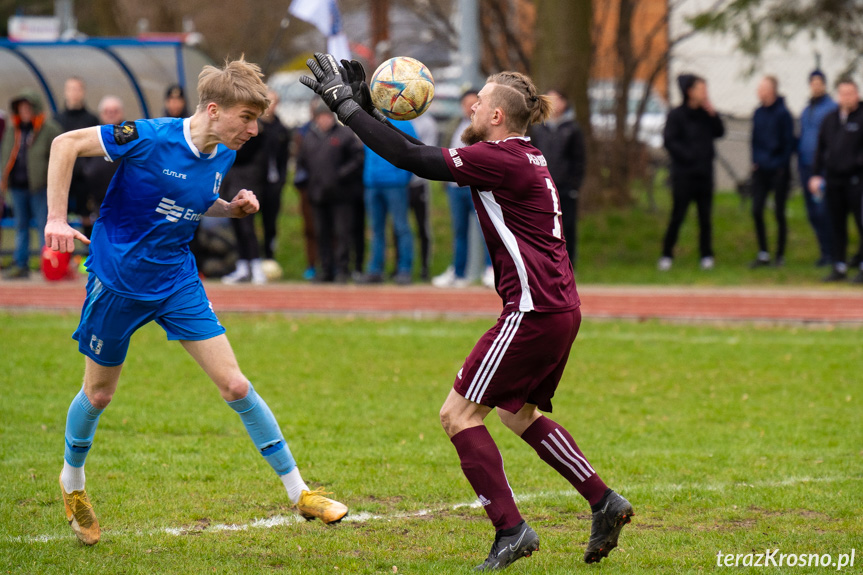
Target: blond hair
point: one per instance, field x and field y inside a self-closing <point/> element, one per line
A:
<point x="239" y="82"/>
<point x="520" y="103"/>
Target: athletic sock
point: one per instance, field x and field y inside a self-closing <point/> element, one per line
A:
<point x="264" y="431"/>
<point x="81" y="421"/>
<point x="598" y="505"/>
<point x="294" y="484"/>
<point x="72" y="477"/>
<point x="555" y="446"/>
<point x="482" y="464"/>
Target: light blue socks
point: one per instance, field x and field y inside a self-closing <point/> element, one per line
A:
<point x="80" y="427"/>
<point x="264" y="431"/>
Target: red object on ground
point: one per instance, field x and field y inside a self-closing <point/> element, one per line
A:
<point x="55" y="265"/>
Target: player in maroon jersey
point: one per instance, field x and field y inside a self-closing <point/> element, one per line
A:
<point x="516" y="366"/>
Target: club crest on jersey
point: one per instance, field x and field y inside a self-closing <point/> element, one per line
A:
<point x="456" y="160"/>
<point x="125" y="133"/>
<point x="536" y="160"/>
<point x="218" y="183"/>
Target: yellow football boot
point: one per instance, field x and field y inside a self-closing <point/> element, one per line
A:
<point x="313" y="504"/>
<point x="80" y="515"/>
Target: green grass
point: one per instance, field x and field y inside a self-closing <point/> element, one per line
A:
<point x="732" y="438"/>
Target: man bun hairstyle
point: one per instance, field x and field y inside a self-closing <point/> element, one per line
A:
<point x="521" y="104"/>
<point x="237" y="83"/>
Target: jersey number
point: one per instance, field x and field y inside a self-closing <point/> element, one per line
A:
<point x="556" y="232"/>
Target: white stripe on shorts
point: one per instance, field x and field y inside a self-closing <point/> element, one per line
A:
<point x="493" y="357"/>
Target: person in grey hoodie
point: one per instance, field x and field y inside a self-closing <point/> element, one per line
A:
<point x="772" y="146"/>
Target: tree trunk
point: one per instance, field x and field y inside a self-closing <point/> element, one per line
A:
<point x="562" y="60"/>
<point x="619" y="175"/>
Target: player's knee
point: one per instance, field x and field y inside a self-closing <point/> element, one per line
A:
<point x="447" y="420"/>
<point x="237" y="387"/>
<point x="100" y="398"/>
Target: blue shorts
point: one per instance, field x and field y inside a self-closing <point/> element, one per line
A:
<point x="108" y="320"/>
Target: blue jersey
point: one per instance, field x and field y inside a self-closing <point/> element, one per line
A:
<point x="140" y="243"/>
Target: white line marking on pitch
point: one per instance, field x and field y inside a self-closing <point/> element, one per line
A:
<point x="364" y="516"/>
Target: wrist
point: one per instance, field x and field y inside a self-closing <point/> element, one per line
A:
<point x="346" y="110"/>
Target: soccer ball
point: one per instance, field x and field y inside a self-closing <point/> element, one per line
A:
<point x="271" y="269"/>
<point x="402" y="88"/>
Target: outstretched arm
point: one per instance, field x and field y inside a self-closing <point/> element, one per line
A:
<point x="65" y="149"/>
<point x="344" y="90"/>
<point x="401" y="150"/>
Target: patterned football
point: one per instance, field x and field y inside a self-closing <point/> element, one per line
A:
<point x="402" y="88"/>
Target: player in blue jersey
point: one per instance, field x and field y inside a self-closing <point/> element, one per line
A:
<point x="141" y="269"/>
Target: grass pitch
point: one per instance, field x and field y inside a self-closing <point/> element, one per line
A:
<point x="736" y="439"/>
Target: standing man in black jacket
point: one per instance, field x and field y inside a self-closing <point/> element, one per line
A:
<point x="838" y="175"/>
<point x="332" y="156"/>
<point x="772" y="145"/>
<point x="562" y="144"/>
<point x="689" y="133"/>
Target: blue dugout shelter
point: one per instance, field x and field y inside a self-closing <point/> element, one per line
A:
<point x="136" y="71"/>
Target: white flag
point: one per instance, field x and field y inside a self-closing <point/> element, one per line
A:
<point x="325" y="16"/>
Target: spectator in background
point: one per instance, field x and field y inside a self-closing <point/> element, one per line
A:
<point x="387" y="193"/>
<point x="689" y="133"/>
<point x="772" y="146"/>
<point x="419" y="194"/>
<point x="463" y="213"/>
<point x="175" y="102"/>
<point x="301" y="181"/>
<point x="562" y="144"/>
<point x="97" y="172"/>
<point x="24" y="157"/>
<point x="2" y="198"/>
<point x="276" y="140"/>
<point x="248" y="172"/>
<point x="74" y="117"/>
<point x="331" y="157"/>
<point x="820" y="105"/>
<point x="838" y="171"/>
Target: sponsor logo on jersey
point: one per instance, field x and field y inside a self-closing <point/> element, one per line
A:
<point x="96" y="344"/>
<point x="460" y="373"/>
<point x="125" y="133"/>
<point x="536" y="160"/>
<point x="218" y="183"/>
<point x="174" y="213"/>
<point x="174" y="174"/>
<point x="456" y="160"/>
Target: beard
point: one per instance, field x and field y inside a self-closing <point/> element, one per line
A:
<point x="473" y="134"/>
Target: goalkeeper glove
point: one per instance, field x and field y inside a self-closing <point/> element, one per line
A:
<point x="330" y="83"/>
<point x="356" y="77"/>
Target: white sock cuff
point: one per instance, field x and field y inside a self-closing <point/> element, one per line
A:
<point x="294" y="484"/>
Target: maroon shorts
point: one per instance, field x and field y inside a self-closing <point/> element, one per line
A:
<point x="519" y="360"/>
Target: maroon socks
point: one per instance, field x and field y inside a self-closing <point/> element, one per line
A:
<point x="555" y="446"/>
<point x="483" y="466"/>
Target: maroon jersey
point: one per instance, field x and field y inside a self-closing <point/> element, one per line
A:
<point x="519" y="211"/>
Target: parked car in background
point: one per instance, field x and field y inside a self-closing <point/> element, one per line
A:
<point x="603" y="120"/>
<point x="294" y="98"/>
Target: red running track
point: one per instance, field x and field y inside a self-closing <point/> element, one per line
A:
<point x="844" y="304"/>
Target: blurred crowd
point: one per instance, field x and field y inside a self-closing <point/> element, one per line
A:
<point x="356" y="208"/>
<point x="828" y="145"/>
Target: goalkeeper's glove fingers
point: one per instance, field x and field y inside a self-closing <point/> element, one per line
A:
<point x="331" y="84"/>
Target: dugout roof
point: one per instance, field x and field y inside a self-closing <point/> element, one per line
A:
<point x="137" y="71"/>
